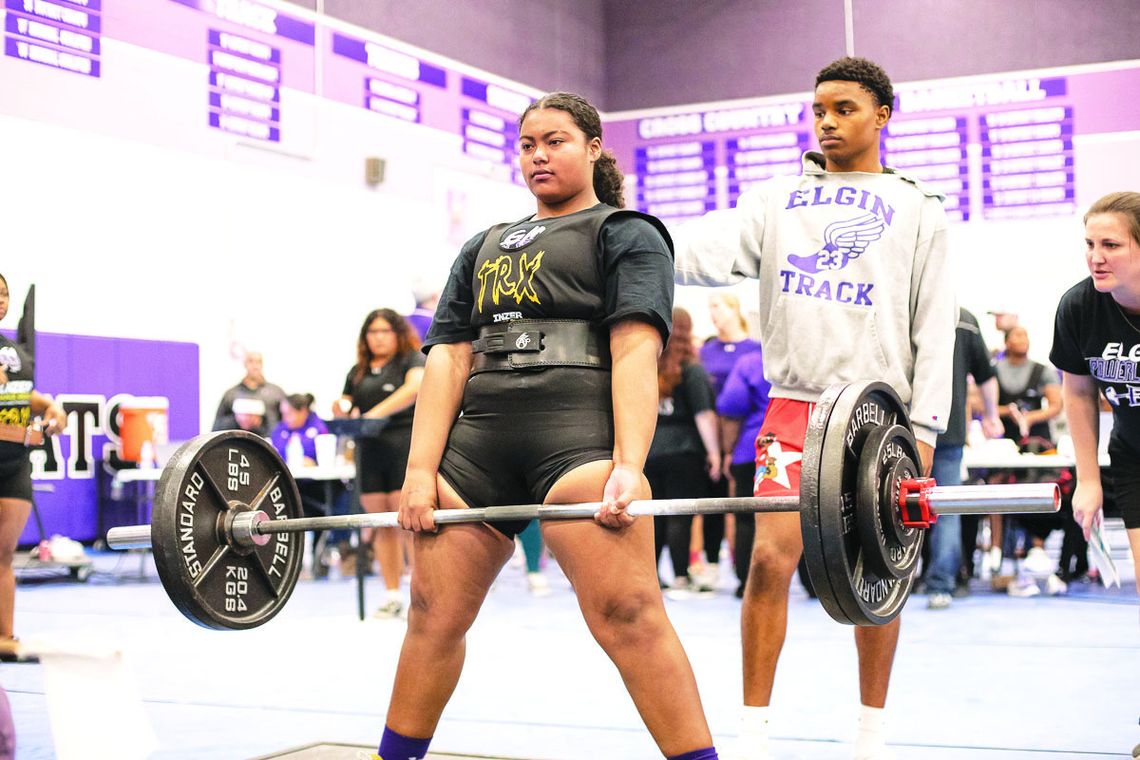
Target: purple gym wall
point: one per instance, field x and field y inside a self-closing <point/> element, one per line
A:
<point x="624" y="54"/>
<point x="548" y="45"/>
<point x="89" y="376"/>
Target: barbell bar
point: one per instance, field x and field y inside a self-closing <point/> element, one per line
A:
<point x="226" y="507"/>
<point x="251" y="526"/>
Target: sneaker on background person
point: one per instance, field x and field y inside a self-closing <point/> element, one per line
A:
<point x="538" y="584"/>
<point x="1038" y="564"/>
<point x="707" y="579"/>
<point x="679" y="589"/>
<point x="1023" y="587"/>
<point x="1054" y="586"/>
<point x="391" y="608"/>
<point x="939" y="600"/>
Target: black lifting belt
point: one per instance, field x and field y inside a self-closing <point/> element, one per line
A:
<point x="529" y="343"/>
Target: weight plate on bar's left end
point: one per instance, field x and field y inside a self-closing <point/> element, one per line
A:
<point x="848" y="589"/>
<point x="210" y="580"/>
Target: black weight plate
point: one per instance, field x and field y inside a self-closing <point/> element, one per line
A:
<point x="889" y="547"/>
<point x="212" y="582"/>
<point x="849" y="590"/>
<point x="810" y="511"/>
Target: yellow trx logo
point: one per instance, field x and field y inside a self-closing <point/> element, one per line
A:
<point x="499" y="277"/>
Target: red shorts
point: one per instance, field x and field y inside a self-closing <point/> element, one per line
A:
<point x="780" y="447"/>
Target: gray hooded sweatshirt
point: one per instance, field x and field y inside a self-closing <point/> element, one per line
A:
<point x="854" y="282"/>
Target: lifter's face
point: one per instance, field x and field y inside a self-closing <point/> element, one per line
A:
<point x="5" y="299"/>
<point x="847" y="124"/>
<point x="557" y="161"/>
<point x="1113" y="256"/>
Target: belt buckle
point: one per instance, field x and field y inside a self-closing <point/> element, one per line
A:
<point x="528" y="342"/>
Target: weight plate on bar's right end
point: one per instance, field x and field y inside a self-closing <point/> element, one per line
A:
<point x="810" y="508"/>
<point x="889" y="548"/>
<point x="848" y="589"/>
<point x="211" y="579"/>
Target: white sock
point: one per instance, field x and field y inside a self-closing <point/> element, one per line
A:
<point x="753" y="742"/>
<point x="394" y="595"/>
<point x="872" y="739"/>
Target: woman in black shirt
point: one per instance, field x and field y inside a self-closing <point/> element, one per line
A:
<point x="19" y="404"/>
<point x="384" y="383"/>
<point x="685" y="452"/>
<point x="1096" y="342"/>
<point x="546" y="337"/>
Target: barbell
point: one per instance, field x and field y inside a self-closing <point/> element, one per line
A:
<point x="226" y="509"/>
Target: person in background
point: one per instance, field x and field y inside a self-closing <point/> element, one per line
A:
<point x="1029" y="395"/>
<point x="298" y="420"/>
<point x="20" y="404"/>
<point x="295" y="439"/>
<point x="249" y="414"/>
<point x="384" y="384"/>
<point x="253" y="386"/>
<point x="1029" y="392"/>
<point x="718" y="355"/>
<point x="971" y="358"/>
<point x="532" y="546"/>
<point x="427" y="298"/>
<point x="741" y="405"/>
<point x="1096" y="342"/>
<point x="684" y="455"/>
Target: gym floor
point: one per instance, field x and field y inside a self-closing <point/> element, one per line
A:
<point x="992" y="677"/>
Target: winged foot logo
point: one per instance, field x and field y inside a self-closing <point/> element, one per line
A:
<point x="843" y="242"/>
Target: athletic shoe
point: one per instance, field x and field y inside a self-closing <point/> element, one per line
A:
<point x="1054" y="586"/>
<point x="537" y="584"/>
<point x="11" y="651"/>
<point x="390" y="609"/>
<point x="1037" y="563"/>
<point x="678" y="589"/>
<point x="707" y="579"/>
<point x="939" y="600"/>
<point x="1023" y="588"/>
<point x="993" y="560"/>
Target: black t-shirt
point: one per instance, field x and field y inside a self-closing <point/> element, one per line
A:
<point x="971" y="357"/>
<point x="15" y="395"/>
<point x="631" y="264"/>
<point x="379" y="384"/>
<point x="1092" y="336"/>
<point x="676" y="415"/>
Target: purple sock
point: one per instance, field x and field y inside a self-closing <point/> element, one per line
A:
<point x="708" y="753"/>
<point x="394" y="746"/>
